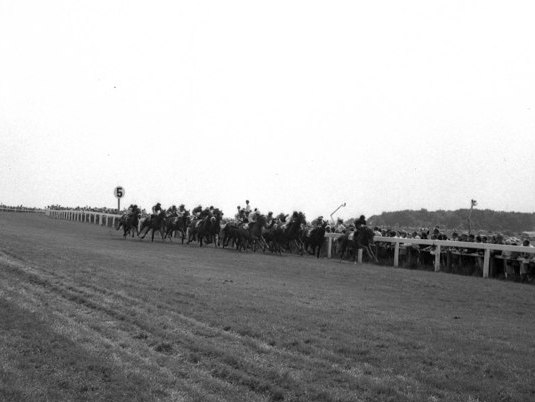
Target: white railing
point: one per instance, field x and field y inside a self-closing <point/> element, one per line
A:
<point x="439" y="245"/>
<point x="98" y="218"/>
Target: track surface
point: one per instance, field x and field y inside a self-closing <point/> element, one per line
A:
<point x="161" y="321"/>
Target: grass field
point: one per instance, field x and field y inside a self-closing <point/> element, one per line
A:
<point x="86" y="315"/>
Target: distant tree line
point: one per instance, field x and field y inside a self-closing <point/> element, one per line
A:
<point x="485" y="219"/>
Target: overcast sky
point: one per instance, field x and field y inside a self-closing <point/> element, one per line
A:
<point x="384" y="105"/>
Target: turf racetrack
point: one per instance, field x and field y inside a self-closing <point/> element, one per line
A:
<point x="86" y="315"/>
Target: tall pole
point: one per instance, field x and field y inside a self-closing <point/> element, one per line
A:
<point x="332" y="213"/>
<point x="473" y="203"/>
<point x="118" y="205"/>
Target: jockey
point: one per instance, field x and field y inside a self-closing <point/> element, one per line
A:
<point x="207" y="212"/>
<point x="317" y="222"/>
<point x="280" y="220"/>
<point x="135" y="210"/>
<point x="157" y="208"/>
<point x="181" y="210"/>
<point x="361" y="221"/>
<point x="130" y="210"/>
<point x="172" y="211"/>
<point x="244" y="216"/>
<point x="253" y="215"/>
<point x="247" y="207"/>
<point x="269" y="218"/>
<point x="197" y="211"/>
<point x="239" y="214"/>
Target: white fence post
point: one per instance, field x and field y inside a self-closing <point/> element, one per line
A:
<point x="486" y="263"/>
<point x="396" y="255"/>
<point x="437" y="258"/>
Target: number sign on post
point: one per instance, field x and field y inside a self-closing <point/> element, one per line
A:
<point x="119" y="193"/>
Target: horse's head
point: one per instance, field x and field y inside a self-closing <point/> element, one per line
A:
<point x="186" y="219"/>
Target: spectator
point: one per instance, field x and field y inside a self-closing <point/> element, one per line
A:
<point x="525" y="259"/>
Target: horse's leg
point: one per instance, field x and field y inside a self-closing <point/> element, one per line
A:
<point x="263" y="243"/>
<point x="141" y="231"/>
<point x="357" y="248"/>
<point x="342" y="250"/>
<point x="300" y="247"/>
<point x="170" y="232"/>
<point x="371" y="254"/>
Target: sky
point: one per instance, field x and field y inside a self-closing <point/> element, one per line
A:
<point x="294" y="105"/>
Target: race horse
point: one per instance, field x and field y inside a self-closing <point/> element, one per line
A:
<point x="235" y="233"/>
<point x="206" y="229"/>
<point x="129" y="223"/>
<point x="315" y="239"/>
<point x="156" y="222"/>
<point x="177" y="224"/>
<point x="293" y="234"/>
<point x="256" y="231"/>
<point x="351" y="242"/>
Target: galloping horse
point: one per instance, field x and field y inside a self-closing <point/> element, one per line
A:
<point x="154" y="223"/>
<point x="256" y="231"/>
<point x="293" y="233"/>
<point x="315" y="239"/>
<point x="208" y="229"/>
<point x="177" y="224"/>
<point x="362" y="238"/>
<point x="129" y="224"/>
<point x="237" y="234"/>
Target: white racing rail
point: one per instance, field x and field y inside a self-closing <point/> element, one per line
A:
<point x="98" y="218"/>
<point x="440" y="245"/>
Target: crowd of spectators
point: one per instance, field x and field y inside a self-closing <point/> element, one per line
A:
<point x="19" y="208"/>
<point x="507" y="264"/>
<point x="442" y="234"/>
<point x="104" y="210"/>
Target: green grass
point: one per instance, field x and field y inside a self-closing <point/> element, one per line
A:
<point x="90" y="316"/>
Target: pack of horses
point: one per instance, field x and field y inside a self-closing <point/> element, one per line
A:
<point x="294" y="236"/>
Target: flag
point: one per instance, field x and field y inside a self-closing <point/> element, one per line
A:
<point x="474" y="203"/>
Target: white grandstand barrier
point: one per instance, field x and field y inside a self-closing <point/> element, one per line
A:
<point x="399" y="242"/>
